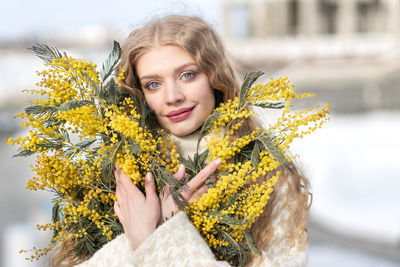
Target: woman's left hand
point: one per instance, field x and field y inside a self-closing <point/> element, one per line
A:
<point x="138" y="214"/>
<point x="193" y="190"/>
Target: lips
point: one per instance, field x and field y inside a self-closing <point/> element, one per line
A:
<point x="179" y="114"/>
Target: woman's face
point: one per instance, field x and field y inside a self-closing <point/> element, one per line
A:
<point x="175" y="88"/>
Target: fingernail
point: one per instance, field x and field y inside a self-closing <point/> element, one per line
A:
<point x="218" y="161"/>
<point x="149" y="177"/>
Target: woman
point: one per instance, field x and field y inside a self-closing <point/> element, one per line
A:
<point x="180" y="66"/>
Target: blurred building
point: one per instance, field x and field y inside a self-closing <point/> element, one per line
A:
<point x="348" y="49"/>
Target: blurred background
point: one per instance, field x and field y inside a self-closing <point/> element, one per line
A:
<point x="345" y="51"/>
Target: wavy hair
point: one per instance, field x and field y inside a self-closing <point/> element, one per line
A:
<point x="195" y="36"/>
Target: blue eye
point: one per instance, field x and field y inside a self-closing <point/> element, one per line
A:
<point x="152" y="85"/>
<point x="188" y="75"/>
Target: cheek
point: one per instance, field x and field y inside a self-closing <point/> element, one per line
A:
<point x="206" y="95"/>
<point x="209" y="100"/>
<point x="152" y="102"/>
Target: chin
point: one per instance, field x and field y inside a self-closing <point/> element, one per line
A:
<point x="181" y="133"/>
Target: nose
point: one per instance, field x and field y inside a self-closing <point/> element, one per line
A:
<point x="173" y="93"/>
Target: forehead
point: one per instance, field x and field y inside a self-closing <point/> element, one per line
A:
<point x="161" y="59"/>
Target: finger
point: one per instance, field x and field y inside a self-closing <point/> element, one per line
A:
<point x="200" y="178"/>
<point x="117" y="211"/>
<point x="120" y="190"/>
<point x="118" y="193"/>
<point x="116" y="175"/>
<point x="117" y="172"/>
<point x="127" y="186"/>
<point x="180" y="173"/>
<point x="150" y="187"/>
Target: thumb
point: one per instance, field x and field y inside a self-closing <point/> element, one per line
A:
<point x="150" y="187"/>
<point x="180" y="173"/>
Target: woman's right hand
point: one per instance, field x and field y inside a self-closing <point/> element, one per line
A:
<point x="193" y="189"/>
<point x="138" y="213"/>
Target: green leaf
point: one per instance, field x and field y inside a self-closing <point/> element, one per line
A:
<point x="116" y="147"/>
<point x="110" y="92"/>
<point x="273" y="105"/>
<point x="134" y="147"/>
<point x="273" y="149"/>
<point x="95" y="85"/>
<point x="210" y="182"/>
<point x="55" y="216"/>
<point x="24" y="153"/>
<point x="208" y="124"/>
<point x="179" y="200"/>
<point x="199" y="159"/>
<point x="189" y="165"/>
<point x="38" y="109"/>
<point x="45" y="52"/>
<point x="251" y="242"/>
<point x="249" y="79"/>
<point x="65" y="134"/>
<point x="107" y="169"/>
<point x="147" y="116"/>
<point x="111" y="62"/>
<point x="53" y="144"/>
<point x="73" y="104"/>
<point x="85" y="143"/>
<point x="230" y="220"/>
<point x="235" y="248"/>
<point x="255" y="155"/>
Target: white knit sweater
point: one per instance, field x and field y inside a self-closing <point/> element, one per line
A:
<point x="178" y="243"/>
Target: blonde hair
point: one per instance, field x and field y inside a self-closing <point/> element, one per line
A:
<point x="197" y="38"/>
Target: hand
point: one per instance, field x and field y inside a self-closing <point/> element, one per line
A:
<point x="138" y="214"/>
<point x="194" y="189"/>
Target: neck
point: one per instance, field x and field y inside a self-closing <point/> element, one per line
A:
<point x="187" y="145"/>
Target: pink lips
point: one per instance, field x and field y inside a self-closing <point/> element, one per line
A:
<point x="180" y="114"/>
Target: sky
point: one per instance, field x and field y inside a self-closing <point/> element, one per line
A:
<point x="21" y="18"/>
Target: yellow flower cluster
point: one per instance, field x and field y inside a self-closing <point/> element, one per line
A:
<point x="54" y="173"/>
<point x="275" y="90"/>
<point x="248" y="201"/>
<point x="73" y="104"/>
<point x="36" y="252"/>
<point x="169" y="156"/>
<point x="121" y="76"/>
<point x="111" y="131"/>
<point x="37" y="135"/>
<point x="66" y="79"/>
<point x="243" y="189"/>
<point x="125" y="120"/>
<point x="230" y="111"/>
<point x="297" y="124"/>
<point x="224" y="148"/>
<point x="85" y="121"/>
<point x="77" y="193"/>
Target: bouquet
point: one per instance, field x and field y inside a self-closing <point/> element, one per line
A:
<point x="82" y="126"/>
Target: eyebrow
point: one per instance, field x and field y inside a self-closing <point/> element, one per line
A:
<point x="178" y="69"/>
